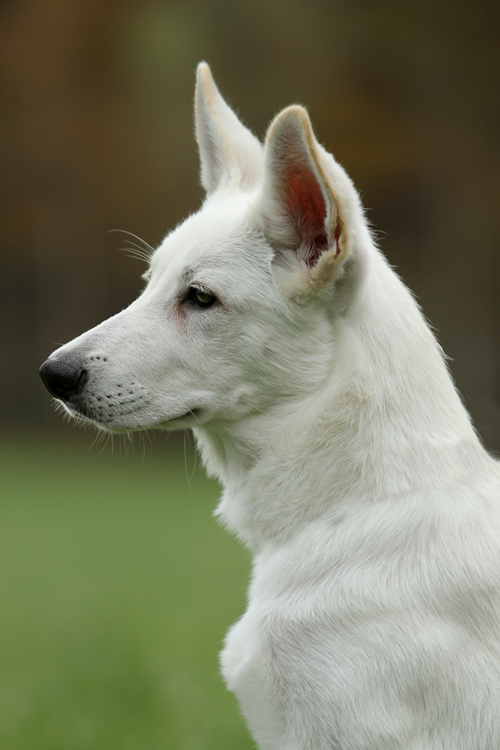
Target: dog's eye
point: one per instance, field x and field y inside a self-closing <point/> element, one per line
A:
<point x="200" y="297"/>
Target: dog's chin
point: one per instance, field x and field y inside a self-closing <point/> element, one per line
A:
<point x="125" y="423"/>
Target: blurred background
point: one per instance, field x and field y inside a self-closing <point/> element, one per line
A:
<point x="116" y="584"/>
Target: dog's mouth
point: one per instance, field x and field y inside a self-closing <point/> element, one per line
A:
<point x="120" y="422"/>
<point x="117" y="407"/>
<point x="192" y="415"/>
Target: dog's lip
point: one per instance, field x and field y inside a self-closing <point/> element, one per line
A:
<point x="189" y="413"/>
<point x="78" y="411"/>
<point x="187" y="417"/>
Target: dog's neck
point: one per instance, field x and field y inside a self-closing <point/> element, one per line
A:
<point x="387" y="422"/>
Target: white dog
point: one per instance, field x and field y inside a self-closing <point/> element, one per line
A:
<point x="273" y="327"/>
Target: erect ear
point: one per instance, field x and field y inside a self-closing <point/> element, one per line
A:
<point x="304" y="200"/>
<point x="229" y="152"/>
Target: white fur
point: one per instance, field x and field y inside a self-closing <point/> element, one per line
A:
<point x="322" y="401"/>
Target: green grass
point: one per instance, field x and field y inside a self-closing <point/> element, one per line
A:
<point x="116" y="589"/>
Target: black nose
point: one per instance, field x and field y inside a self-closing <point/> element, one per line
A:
<point x="64" y="377"/>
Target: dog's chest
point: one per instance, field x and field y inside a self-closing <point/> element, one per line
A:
<point x="262" y="662"/>
<point x="246" y="667"/>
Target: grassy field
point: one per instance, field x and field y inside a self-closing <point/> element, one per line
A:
<point x="116" y="589"/>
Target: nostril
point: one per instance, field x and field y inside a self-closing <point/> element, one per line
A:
<point x="63" y="377"/>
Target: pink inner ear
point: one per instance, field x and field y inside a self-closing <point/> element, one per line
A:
<point x="308" y="212"/>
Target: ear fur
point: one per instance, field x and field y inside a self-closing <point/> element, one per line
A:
<point x="304" y="201"/>
<point x="229" y="153"/>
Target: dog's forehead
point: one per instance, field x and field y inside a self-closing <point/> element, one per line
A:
<point x="222" y="234"/>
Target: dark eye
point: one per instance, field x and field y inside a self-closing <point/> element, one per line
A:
<point x="200" y="297"/>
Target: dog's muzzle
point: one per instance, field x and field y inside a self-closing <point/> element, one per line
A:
<point x="64" y="377"/>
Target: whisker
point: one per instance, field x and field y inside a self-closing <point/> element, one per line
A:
<point x="136" y="254"/>
<point x="97" y="439"/>
<point x="147" y="247"/>
<point x="188" y="478"/>
<point x="139" y="251"/>
<point x="193" y="472"/>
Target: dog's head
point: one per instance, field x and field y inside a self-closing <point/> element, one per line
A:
<point x="240" y="303"/>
